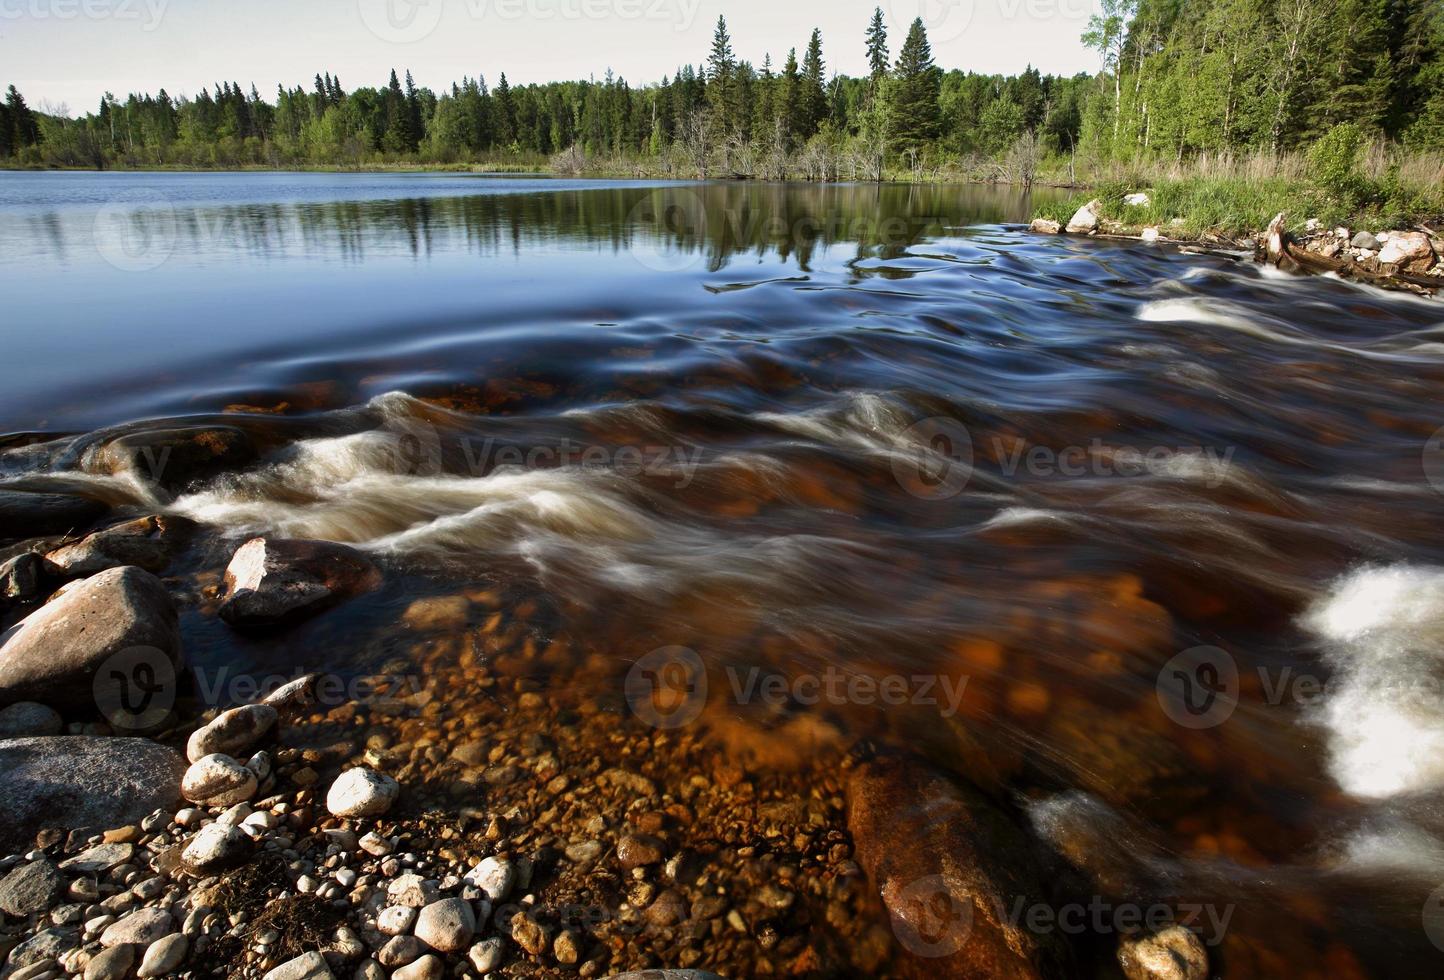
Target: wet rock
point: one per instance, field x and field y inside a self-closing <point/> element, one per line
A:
<point x="362" y="793"/>
<point x="1173" y="954"/>
<point x="218" y="780"/>
<point x="147" y="543"/>
<point x="1045" y="226"/>
<point x="173" y="459"/>
<point x="26" y="719"/>
<point x="31" y="888"/>
<point x="28" y="578"/>
<point x="164" y="956"/>
<point x="446" y="926"/>
<point x="141" y="927"/>
<point x="272" y="581"/>
<point x="1365" y="240"/>
<point x="217" y="847"/>
<point x="948" y="863"/>
<point x="494" y="876"/>
<point x="1410" y="250"/>
<point x="54" y="654"/>
<point x="233" y="733"/>
<point x="1085" y="219"/>
<point x="637" y="850"/>
<point x="76" y="781"/>
<point x="30" y="515"/>
<point x="308" y="966"/>
<point x="111" y="964"/>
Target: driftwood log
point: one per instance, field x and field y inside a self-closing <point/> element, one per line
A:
<point x="1279" y="250"/>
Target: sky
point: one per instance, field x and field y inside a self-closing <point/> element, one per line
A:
<point x="69" y="52"/>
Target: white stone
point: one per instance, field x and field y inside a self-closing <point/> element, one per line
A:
<point x="164" y="956"/>
<point x="216" y="847"/>
<point x="429" y="967"/>
<point x="1139" y="200"/>
<point x="307" y="966"/>
<point x="218" y="780"/>
<point x="234" y="732"/>
<point x="413" y="891"/>
<point x="486" y="955"/>
<point x="362" y="793"/>
<point x="1150" y="235"/>
<point x="494" y="876"/>
<point x="141" y="927"/>
<point x="396" y="920"/>
<point x="446" y="926"/>
<point x="1085" y="219"/>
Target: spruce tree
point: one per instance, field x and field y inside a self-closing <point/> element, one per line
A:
<point x="814" y="94"/>
<point x="877" y="53"/>
<point x="913" y="95"/>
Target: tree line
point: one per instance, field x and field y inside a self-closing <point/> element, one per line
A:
<point x="1177" y="78"/>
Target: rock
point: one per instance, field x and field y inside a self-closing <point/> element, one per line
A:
<point x="51" y="944"/>
<point x="446" y="926"/>
<point x="399" y="951"/>
<point x="362" y="793"/>
<point x="293" y="696"/>
<point x="1410" y="250"/>
<point x="1085" y="219"/>
<point x="173" y="459"/>
<point x="54" y="655"/>
<point x="487" y="955"/>
<point x="217" y="847"/>
<point x="272" y="581"/>
<point x="1274" y="239"/>
<point x="529" y="934"/>
<point x="396" y="920"/>
<point x="369" y="970"/>
<point x="164" y="956"/>
<point x="494" y="876"/>
<point x="147" y="543"/>
<point x="1149" y="234"/>
<point x="429" y="967"/>
<point x="307" y="966"/>
<point x="1173" y="954"/>
<point x="100" y="858"/>
<point x="948" y="863"/>
<point x="76" y="781"/>
<point x="1365" y="240"/>
<point x="1312" y="225"/>
<point x="111" y="964"/>
<point x="412" y="891"/>
<point x="28" y="578"/>
<point x="36" y="515"/>
<point x="233" y="733"/>
<point x="666" y="975"/>
<point x="1045" y="226"/>
<point x="218" y="780"/>
<point x="637" y="850"/>
<point x="26" y="719"/>
<point x="31" y="888"/>
<point x="1138" y="200"/>
<point x="141" y="927"/>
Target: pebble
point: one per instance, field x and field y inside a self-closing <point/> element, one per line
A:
<point x="413" y="891"/>
<point x="218" y="780"/>
<point x="396" y="920"/>
<point x="112" y="964"/>
<point x="566" y="949"/>
<point x="362" y="793"/>
<point x="100" y="858"/>
<point x="529" y="934"/>
<point x="1173" y="954"/>
<point x="446" y="926"/>
<point x="494" y="876"/>
<point x="233" y="733"/>
<point x="638" y="850"/>
<point x="164" y="956"/>
<point x="307" y="966"/>
<point x="399" y="951"/>
<point x="487" y="955"/>
<point x="217" y="847"/>
<point x="141" y="927"/>
<point x="370" y="970"/>
<point x="429" y="967"/>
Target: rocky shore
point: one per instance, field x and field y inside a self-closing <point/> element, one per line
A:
<point x="1401" y="259"/>
<point x="478" y="811"/>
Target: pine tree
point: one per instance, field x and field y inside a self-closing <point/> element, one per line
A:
<point x="814" y="94"/>
<point x="913" y="95"/>
<point x="721" y="81"/>
<point x="413" y="115"/>
<point x="877" y="53"/>
<point x="505" y="113"/>
<point x="790" y="108"/>
<point x="24" y="127"/>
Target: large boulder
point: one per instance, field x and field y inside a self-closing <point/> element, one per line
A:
<point x="1085" y="219"/>
<point x="1411" y="251"/>
<point x="951" y="867"/>
<point x="24" y="514"/>
<point x="174" y="459"/>
<point x="271" y="581"/>
<point x="147" y="543"/>
<point x="74" y="781"/>
<point x="96" y="628"/>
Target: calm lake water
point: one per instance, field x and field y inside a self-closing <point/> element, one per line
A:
<point x="1175" y="520"/>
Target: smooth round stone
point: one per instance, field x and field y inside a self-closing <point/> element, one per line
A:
<point x="399" y="951"/>
<point x="218" y="780"/>
<point x="396" y="920"/>
<point x="494" y="876"/>
<point x="164" y="956"/>
<point x="307" y="966"/>
<point x="112" y="964"/>
<point x="140" y="928"/>
<point x="487" y="955"/>
<point x="27" y="719"/>
<point x="446" y="926"/>
<point x="217" y="847"/>
<point x="429" y="967"/>
<point x="362" y="793"/>
<point x="234" y="732"/>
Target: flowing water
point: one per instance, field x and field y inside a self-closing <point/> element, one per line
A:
<point x="1149" y="541"/>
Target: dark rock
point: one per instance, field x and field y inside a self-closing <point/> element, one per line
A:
<point x="950" y="866"/>
<point x="31" y="888"/>
<point x="174" y="459"/>
<point x="24" y="514"/>
<point x="26" y="719"/>
<point x="147" y="543"/>
<point x="637" y="850"/>
<point x="55" y="654"/>
<point x="272" y="581"/>
<point x="48" y="945"/>
<point x="28" y="578"/>
<point x="74" y="781"/>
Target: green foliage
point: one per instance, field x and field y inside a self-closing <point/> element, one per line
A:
<point x="1334" y="165"/>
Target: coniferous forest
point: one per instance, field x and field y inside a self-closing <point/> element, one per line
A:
<point x="1179" y="81"/>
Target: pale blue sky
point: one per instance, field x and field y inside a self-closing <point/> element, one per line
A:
<point x="70" y="51"/>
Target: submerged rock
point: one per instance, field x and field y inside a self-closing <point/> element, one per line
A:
<point x="1085" y="219"/>
<point x="950" y="865"/>
<point x="174" y="459"/>
<point x="147" y="543"/>
<point x="272" y="581"/>
<point x="27" y="515"/>
<point x="74" y="781"/>
<point x="1173" y="954"/>
<point x="54" y="654"/>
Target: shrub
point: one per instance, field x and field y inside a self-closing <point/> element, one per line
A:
<point x="1334" y="165"/>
